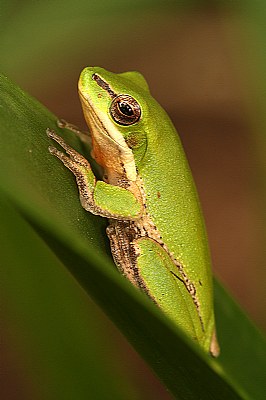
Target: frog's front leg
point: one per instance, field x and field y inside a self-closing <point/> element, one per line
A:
<point x="98" y="197"/>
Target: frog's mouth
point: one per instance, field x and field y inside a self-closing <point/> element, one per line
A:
<point x="109" y="147"/>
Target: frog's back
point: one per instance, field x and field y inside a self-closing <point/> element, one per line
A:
<point x="173" y="204"/>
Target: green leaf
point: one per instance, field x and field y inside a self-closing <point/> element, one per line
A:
<point x="55" y="333"/>
<point x="46" y="195"/>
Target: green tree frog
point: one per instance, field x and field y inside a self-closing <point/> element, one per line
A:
<point x="156" y="231"/>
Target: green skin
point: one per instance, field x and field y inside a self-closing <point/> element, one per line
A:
<point x="157" y="234"/>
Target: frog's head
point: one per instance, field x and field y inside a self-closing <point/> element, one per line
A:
<point x="114" y="108"/>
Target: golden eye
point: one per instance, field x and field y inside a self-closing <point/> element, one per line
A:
<point x="125" y="110"/>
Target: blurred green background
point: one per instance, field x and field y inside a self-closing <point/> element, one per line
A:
<point x="205" y="63"/>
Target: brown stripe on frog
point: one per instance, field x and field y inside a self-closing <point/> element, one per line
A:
<point x="104" y="85"/>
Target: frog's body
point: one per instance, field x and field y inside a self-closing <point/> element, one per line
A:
<point x="156" y="230"/>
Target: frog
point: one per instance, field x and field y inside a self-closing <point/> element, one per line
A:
<point x="147" y="193"/>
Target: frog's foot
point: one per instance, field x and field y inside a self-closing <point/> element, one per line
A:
<point x="74" y="160"/>
<point x="80" y="167"/>
<point x="84" y="136"/>
<point x="94" y="194"/>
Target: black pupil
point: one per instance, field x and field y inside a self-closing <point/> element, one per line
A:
<point x="125" y="109"/>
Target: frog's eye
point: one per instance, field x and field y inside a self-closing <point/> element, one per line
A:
<point x="125" y="110"/>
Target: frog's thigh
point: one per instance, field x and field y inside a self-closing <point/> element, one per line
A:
<point x="158" y="275"/>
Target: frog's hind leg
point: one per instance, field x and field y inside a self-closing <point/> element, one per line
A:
<point x="121" y="236"/>
<point x="166" y="285"/>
